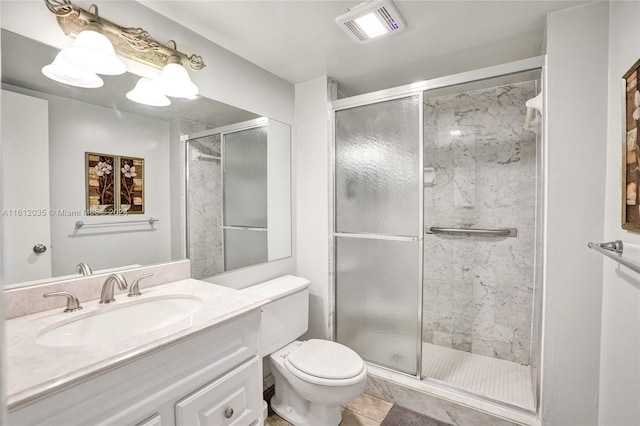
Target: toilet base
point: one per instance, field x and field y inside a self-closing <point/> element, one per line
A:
<point x="314" y="415"/>
<point x="298" y="411"/>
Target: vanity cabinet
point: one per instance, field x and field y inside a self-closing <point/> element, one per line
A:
<point x="211" y="377"/>
<point x="227" y="401"/>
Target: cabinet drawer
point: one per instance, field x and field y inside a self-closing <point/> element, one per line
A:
<point x="233" y="400"/>
<point x="155" y="420"/>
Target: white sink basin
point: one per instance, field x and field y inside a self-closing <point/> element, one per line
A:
<point x="117" y="322"/>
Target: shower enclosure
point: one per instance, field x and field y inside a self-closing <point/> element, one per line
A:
<point x="436" y="232"/>
<point x="227" y="198"/>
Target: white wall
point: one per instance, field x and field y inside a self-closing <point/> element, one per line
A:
<point x="279" y="190"/>
<point x="311" y="155"/>
<point x="177" y="191"/>
<point x="620" y="353"/>
<point x="227" y="78"/>
<point x="576" y="124"/>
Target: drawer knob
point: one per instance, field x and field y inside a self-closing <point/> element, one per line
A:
<point x="228" y="413"/>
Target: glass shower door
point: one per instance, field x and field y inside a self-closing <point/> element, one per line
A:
<point x="244" y="182"/>
<point x="378" y="231"/>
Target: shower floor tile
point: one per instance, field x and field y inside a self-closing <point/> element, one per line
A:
<point x="500" y="380"/>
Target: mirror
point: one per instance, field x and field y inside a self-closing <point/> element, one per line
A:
<point x="54" y="135"/>
<point x="238" y="186"/>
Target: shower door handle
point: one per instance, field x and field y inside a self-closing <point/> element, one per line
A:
<point x="501" y="232"/>
<point x="377" y="236"/>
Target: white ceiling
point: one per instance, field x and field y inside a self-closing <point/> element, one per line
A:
<point x="299" y="40"/>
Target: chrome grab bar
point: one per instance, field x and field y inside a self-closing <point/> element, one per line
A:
<point x="613" y="250"/>
<point x="502" y="232"/>
<point x="150" y="221"/>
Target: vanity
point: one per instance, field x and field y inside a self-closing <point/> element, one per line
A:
<point x="199" y="367"/>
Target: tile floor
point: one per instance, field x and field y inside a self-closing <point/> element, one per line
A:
<point x="364" y="411"/>
<point x="497" y="379"/>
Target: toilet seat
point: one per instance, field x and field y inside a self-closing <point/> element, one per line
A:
<point x="324" y="362"/>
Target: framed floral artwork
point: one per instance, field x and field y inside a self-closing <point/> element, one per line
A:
<point x="101" y="183"/>
<point x="631" y="151"/>
<point x="131" y="185"/>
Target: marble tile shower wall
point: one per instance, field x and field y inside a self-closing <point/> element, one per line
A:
<point x="205" y="209"/>
<point x="478" y="291"/>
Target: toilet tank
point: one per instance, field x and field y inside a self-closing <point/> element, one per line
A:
<point x="286" y="317"/>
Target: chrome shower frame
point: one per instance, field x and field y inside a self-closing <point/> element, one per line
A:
<point x="415" y="89"/>
<point x="185" y="139"/>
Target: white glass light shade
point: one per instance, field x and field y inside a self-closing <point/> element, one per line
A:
<point x="174" y="81"/>
<point x="94" y="52"/>
<point x="62" y="71"/>
<point x="147" y="92"/>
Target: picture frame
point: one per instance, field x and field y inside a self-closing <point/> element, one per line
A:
<point x="631" y="150"/>
<point x="101" y="184"/>
<point x="131" y="185"/>
<point x="114" y="184"/>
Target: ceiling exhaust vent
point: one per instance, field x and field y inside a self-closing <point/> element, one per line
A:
<point x="371" y="20"/>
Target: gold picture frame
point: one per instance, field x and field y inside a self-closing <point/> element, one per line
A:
<point x="114" y="184"/>
<point x="631" y="151"/>
<point x="100" y="183"/>
<point x="131" y="185"/>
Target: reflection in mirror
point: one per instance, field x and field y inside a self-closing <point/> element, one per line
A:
<point x="47" y="129"/>
<point x="238" y="185"/>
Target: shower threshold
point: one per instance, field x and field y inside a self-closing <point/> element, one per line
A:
<point x="499" y="380"/>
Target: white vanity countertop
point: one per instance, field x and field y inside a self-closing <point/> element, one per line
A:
<point x="32" y="370"/>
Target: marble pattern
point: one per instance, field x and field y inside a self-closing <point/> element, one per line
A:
<point x="20" y="301"/>
<point x="205" y="209"/>
<point x="369" y="406"/>
<point x="478" y="291"/>
<point x="432" y="406"/>
<point x="34" y="370"/>
<point x="442" y="402"/>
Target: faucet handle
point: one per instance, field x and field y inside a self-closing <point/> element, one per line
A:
<point x="72" y="301"/>
<point x="133" y="289"/>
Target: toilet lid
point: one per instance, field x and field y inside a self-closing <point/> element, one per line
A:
<point x="325" y="359"/>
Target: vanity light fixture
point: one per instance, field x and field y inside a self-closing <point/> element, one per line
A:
<point x="371" y="20"/>
<point x="98" y="41"/>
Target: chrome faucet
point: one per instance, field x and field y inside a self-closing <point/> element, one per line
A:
<point x="134" y="290"/>
<point x="107" y="287"/>
<point x="83" y="268"/>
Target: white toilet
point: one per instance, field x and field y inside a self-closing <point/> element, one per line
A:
<point x="314" y="377"/>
